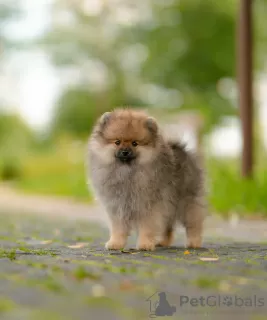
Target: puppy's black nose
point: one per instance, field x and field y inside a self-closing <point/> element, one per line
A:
<point x="125" y="153"/>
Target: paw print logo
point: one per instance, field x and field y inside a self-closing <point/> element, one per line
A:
<point x="227" y="301"/>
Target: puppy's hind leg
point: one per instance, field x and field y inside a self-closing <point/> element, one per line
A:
<point x="193" y="222"/>
<point x="168" y="238"/>
<point x="119" y="232"/>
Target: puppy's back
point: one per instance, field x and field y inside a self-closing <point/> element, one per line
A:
<point x="187" y="168"/>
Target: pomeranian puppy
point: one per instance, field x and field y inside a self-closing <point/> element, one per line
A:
<point x="144" y="181"/>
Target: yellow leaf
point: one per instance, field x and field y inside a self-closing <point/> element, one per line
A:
<point x="46" y="242"/>
<point x="186" y="252"/>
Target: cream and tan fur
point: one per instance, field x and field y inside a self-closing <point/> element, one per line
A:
<point x="145" y="182"/>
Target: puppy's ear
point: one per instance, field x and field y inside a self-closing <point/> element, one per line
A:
<point x="152" y="125"/>
<point x="104" y="119"/>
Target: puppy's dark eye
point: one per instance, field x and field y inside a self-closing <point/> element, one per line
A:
<point x="134" y="143"/>
<point x="117" y="142"/>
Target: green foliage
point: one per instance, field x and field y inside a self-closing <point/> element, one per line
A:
<point x="15" y="139"/>
<point x="57" y="171"/>
<point x="188" y="46"/>
<point x="259" y="32"/>
<point x="60" y="171"/>
<point x="75" y="113"/>
<point x="229" y="193"/>
<point x="191" y="47"/>
<point x="185" y="45"/>
<point x="77" y="110"/>
<point x="10" y="254"/>
<point x="80" y="273"/>
<point x="191" y="43"/>
<point x="10" y="170"/>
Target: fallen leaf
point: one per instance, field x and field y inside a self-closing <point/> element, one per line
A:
<point x="186" y="252"/>
<point x="78" y="245"/>
<point x="35" y="242"/>
<point x="46" y="242"/>
<point x="209" y="258"/>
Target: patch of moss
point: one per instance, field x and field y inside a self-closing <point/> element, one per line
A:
<point x="10" y="254"/>
<point x="6" y="305"/>
<point x="156" y="256"/>
<point x="251" y="261"/>
<point x="38" y="252"/>
<point x="98" y="254"/>
<point x="48" y="283"/>
<point x="81" y="273"/>
<point x="52" y="285"/>
<point x="179" y="271"/>
<point x="44" y="315"/>
<point x="84" y="239"/>
<point x="207" y="282"/>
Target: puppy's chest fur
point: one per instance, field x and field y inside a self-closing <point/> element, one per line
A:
<point x="129" y="187"/>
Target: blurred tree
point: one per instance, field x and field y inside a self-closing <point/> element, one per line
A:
<point x="75" y="112"/>
<point x="191" y="47"/>
<point x="120" y="47"/>
<point x="86" y="44"/>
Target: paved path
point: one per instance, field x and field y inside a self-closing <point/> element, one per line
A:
<point x="13" y="202"/>
<point x="53" y="266"/>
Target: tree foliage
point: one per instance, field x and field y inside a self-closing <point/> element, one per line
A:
<point x="15" y="140"/>
<point x="9" y="10"/>
<point x="75" y="112"/>
<point x="187" y="46"/>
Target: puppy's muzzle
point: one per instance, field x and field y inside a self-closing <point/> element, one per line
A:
<point x="125" y="155"/>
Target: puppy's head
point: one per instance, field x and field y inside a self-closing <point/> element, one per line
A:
<point x="125" y="136"/>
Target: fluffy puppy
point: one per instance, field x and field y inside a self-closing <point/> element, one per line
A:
<point x="144" y="181"/>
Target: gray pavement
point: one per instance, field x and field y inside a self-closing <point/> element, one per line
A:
<point x="53" y="266"/>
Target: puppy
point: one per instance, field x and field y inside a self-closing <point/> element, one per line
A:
<point x="145" y="182"/>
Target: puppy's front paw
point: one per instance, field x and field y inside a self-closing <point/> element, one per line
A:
<point x="146" y="246"/>
<point x="114" y="245"/>
<point x="194" y="243"/>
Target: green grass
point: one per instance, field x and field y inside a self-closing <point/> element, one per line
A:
<point x="81" y="273"/>
<point x="60" y="171"/>
<point x="37" y="252"/>
<point x="10" y="254"/>
<point x="56" y="172"/>
<point x="207" y="282"/>
<point x="230" y="193"/>
<point x="6" y="305"/>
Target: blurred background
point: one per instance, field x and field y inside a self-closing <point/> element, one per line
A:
<point x="65" y="62"/>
